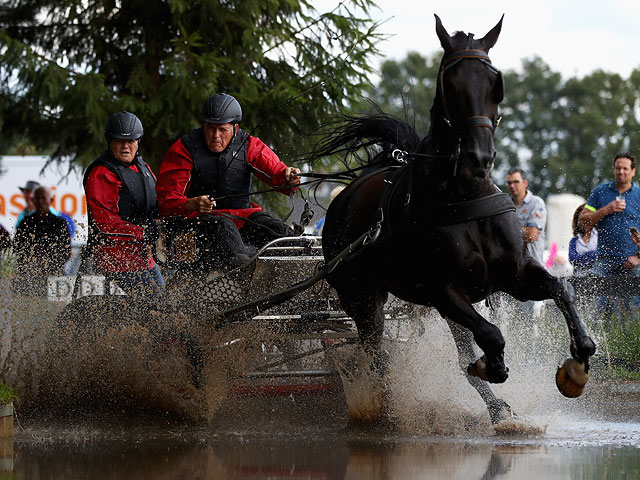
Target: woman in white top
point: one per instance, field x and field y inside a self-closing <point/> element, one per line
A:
<point x="582" y="247"/>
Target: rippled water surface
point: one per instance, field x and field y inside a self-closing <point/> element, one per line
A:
<point x="572" y="451"/>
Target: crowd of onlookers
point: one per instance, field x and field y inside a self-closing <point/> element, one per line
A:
<point x="606" y="237"/>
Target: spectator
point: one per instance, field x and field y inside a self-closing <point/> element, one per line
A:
<point x="613" y="208"/>
<point x="582" y="247"/>
<point x="121" y="203"/>
<point x="531" y="211"/>
<point x="41" y="245"/>
<point x="5" y="244"/>
<point x="205" y="179"/>
<point x="27" y="193"/>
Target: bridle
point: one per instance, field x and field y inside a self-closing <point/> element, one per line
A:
<point x="474" y="121"/>
<point x="434" y="160"/>
<point x="453" y="59"/>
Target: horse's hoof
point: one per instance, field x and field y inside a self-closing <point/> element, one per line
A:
<point x="495" y="373"/>
<point x="571" y="378"/>
<point x="479" y="368"/>
<point x="500" y="411"/>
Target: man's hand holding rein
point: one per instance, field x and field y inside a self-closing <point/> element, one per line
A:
<point x="201" y="204"/>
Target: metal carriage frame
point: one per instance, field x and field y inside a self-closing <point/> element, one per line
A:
<point x="282" y="293"/>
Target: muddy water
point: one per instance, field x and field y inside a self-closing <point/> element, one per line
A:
<point x="573" y="450"/>
<point x="118" y="406"/>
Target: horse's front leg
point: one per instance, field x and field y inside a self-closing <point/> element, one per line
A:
<point x="453" y="305"/>
<point x="535" y="283"/>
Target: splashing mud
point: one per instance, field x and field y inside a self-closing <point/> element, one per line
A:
<point x="108" y="351"/>
<point x="425" y="391"/>
<point x="114" y="353"/>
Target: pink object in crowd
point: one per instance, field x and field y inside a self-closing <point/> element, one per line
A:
<point x="553" y="251"/>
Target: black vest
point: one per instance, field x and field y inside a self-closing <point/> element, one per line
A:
<point x="220" y="174"/>
<point x="137" y="199"/>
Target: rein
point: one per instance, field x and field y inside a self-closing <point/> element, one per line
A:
<point x="398" y="155"/>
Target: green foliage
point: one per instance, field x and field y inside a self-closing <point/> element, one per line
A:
<point x="624" y="374"/>
<point x="66" y="65"/>
<point x="569" y="130"/>
<point x="7" y="264"/>
<point x="7" y="394"/>
<point x="406" y="89"/>
<point x="623" y="339"/>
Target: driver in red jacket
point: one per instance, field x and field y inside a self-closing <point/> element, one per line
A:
<point x="205" y="178"/>
<point x="121" y="204"/>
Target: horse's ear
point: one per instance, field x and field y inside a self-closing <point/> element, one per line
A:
<point x="490" y="39"/>
<point x="443" y="35"/>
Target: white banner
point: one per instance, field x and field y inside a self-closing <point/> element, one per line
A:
<point x="68" y="193"/>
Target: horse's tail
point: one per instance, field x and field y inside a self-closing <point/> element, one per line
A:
<point x="368" y="138"/>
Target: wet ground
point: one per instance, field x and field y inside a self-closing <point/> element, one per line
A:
<point x="437" y="427"/>
<point x="306" y="437"/>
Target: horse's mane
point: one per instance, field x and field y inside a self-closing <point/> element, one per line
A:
<point x="367" y="138"/>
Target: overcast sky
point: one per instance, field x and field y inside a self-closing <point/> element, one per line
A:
<point x="573" y="37"/>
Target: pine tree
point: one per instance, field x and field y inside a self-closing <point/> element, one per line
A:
<point x="66" y="65"/>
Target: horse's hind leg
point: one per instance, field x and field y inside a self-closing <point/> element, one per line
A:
<point x="365" y="308"/>
<point x="498" y="408"/>
<point x="454" y="305"/>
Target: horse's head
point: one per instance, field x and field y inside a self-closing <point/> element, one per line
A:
<point x="469" y="91"/>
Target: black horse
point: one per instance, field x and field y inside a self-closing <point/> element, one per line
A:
<point x="450" y="237"/>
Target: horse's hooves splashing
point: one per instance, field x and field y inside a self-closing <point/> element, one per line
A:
<point x="500" y="411"/>
<point x="571" y="378"/>
<point x="492" y="373"/>
<point x="519" y="426"/>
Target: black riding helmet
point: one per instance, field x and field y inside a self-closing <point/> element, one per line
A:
<point x="221" y="108"/>
<point x="123" y="125"/>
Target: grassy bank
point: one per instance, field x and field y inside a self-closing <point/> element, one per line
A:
<point x="7" y="394"/>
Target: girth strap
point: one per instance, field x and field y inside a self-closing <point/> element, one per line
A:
<point x="454" y="213"/>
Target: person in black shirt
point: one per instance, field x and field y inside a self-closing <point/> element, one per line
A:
<point x="41" y="246"/>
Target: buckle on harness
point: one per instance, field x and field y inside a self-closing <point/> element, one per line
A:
<point x="399" y="156"/>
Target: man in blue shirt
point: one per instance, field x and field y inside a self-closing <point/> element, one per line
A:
<point x="614" y="208"/>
